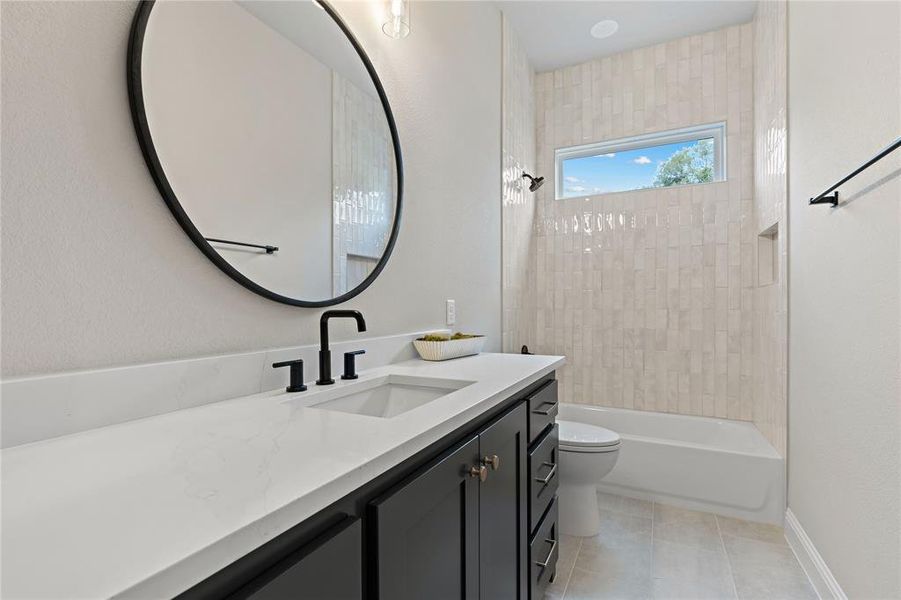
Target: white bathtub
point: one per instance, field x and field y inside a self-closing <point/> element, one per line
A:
<point x="715" y="465"/>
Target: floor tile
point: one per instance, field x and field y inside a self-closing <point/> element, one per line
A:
<point x="569" y="548"/>
<point x="687" y="527"/>
<point x="616" y="563"/>
<point x="764" y="570"/>
<point x="763" y="532"/>
<point x="588" y="585"/>
<point x="647" y="550"/>
<point x="628" y="506"/>
<point x="621" y="549"/>
<point x="690" y="572"/>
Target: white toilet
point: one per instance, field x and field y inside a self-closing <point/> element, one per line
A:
<point x="587" y="453"/>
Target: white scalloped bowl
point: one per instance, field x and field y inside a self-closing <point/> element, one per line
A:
<point x="438" y="351"/>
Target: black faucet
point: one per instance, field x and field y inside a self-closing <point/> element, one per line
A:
<point x="325" y="355"/>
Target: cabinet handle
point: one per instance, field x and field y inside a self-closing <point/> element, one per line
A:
<point x="547" y="561"/>
<point x="547" y="411"/>
<point x="480" y="472"/>
<point x="550" y="474"/>
<point x="493" y="461"/>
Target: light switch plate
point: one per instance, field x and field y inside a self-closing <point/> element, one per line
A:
<point x="451" y="311"/>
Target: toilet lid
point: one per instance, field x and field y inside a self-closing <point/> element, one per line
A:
<point x="583" y="435"/>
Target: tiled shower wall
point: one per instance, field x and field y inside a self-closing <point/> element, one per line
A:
<point x="518" y="208"/>
<point x="363" y="183"/>
<point x="649" y="293"/>
<point x="770" y="324"/>
<point x="670" y="299"/>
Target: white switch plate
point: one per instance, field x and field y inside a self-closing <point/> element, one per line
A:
<point x="451" y="312"/>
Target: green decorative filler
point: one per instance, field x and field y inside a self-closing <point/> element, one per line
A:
<point x="441" y="337"/>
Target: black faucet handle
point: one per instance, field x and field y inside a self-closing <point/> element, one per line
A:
<point x="350" y="364"/>
<point x="295" y="383"/>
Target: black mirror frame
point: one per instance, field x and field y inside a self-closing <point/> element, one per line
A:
<point x="139" y="117"/>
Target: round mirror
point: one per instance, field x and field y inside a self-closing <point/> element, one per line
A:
<point x="270" y="138"/>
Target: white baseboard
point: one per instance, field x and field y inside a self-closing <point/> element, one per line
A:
<point x="827" y="588"/>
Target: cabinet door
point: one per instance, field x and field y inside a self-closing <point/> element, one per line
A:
<point x="328" y="568"/>
<point x="503" y="543"/>
<point x="427" y="531"/>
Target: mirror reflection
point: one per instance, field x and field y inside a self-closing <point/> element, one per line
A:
<point x="273" y="139"/>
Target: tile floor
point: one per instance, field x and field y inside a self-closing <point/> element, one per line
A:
<point x="650" y="550"/>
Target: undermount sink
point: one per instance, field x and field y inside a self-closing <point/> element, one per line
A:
<point x="386" y="396"/>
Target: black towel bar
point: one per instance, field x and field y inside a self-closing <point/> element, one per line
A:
<point x="267" y="248"/>
<point x="827" y="198"/>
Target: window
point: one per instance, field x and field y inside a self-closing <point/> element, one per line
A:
<point x="677" y="157"/>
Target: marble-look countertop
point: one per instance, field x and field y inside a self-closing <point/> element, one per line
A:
<point x="150" y="507"/>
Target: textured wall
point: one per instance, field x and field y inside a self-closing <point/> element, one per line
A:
<point x="844" y="421"/>
<point x="648" y="293"/>
<point x="518" y="206"/>
<point x="95" y="271"/>
<point x="770" y="325"/>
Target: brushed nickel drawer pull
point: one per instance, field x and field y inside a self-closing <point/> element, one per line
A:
<point x="547" y="561"/>
<point x="545" y="412"/>
<point x="550" y="474"/>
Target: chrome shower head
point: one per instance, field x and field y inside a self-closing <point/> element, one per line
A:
<point x="534" y="182"/>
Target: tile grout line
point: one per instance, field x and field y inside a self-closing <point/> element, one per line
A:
<point x="719" y="532"/>
<point x="653" y="518"/>
<point x="571" y="569"/>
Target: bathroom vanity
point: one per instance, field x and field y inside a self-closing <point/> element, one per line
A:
<point x="472" y="515"/>
<point x="311" y="495"/>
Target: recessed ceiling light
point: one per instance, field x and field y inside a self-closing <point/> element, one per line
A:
<point x="604" y="29"/>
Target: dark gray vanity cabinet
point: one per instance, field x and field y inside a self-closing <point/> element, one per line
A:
<point x="471" y="517"/>
<point x="457" y="529"/>
<point x="503" y="508"/>
<point x="427" y="531"/>
<point x="543" y="482"/>
<point x="336" y="552"/>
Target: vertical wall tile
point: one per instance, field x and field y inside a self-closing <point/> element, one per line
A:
<point x="652" y="294"/>
<point x="763" y="45"/>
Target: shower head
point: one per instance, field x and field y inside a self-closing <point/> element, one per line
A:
<point x="534" y="182"/>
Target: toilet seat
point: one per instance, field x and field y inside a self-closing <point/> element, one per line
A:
<point x="582" y="437"/>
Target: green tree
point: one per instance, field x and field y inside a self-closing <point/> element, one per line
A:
<point x="693" y="164"/>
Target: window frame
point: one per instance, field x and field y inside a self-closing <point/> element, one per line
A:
<point x="717" y="131"/>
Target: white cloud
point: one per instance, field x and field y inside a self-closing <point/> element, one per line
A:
<point x="575" y="188"/>
<point x="573" y="179"/>
<point x="642" y="160"/>
<point x="611" y="155"/>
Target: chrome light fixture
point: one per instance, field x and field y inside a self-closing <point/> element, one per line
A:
<point x="397" y="18"/>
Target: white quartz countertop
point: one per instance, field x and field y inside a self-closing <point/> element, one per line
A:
<point x="150" y="507"/>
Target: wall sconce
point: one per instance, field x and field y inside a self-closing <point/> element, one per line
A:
<point x="397" y="18"/>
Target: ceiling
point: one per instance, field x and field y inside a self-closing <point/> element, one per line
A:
<point x="554" y="33"/>
<point x="312" y="30"/>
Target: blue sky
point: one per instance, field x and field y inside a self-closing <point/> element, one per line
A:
<point x="617" y="172"/>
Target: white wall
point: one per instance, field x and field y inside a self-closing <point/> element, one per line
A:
<point x="95" y="270"/>
<point x="844" y="104"/>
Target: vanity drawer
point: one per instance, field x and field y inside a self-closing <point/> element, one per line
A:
<point x="544" y="550"/>
<point x="543" y="476"/>
<point x="542" y="410"/>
